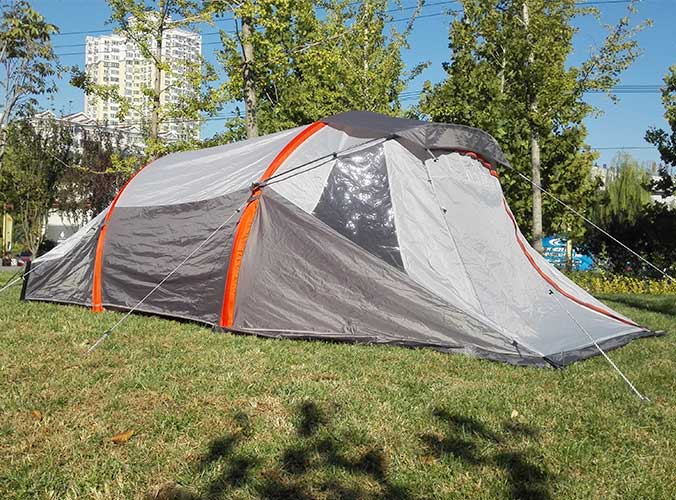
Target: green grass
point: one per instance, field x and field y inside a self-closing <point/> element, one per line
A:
<point x="239" y="417"/>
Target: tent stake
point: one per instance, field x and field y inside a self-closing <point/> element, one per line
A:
<point x="610" y="361"/>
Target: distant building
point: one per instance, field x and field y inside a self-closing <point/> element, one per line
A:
<point x="606" y="174"/>
<point x="114" y="60"/>
<point x="660" y="197"/>
<point x="128" y="137"/>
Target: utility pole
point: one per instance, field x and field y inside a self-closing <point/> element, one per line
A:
<point x="535" y="157"/>
<point x="250" y="100"/>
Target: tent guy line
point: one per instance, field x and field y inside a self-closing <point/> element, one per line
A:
<point x="599" y="228"/>
<point x="108" y="332"/>
<point x="13" y="281"/>
<point x="273" y="179"/>
<point x="603" y="353"/>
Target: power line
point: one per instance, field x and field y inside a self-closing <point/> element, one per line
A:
<point x="210" y="33"/>
<point x="618" y="89"/>
<point x="412" y="7"/>
<point x="390" y="11"/>
<point x="218" y="42"/>
<point x="615" y="148"/>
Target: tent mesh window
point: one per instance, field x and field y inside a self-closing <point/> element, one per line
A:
<point x="357" y="203"/>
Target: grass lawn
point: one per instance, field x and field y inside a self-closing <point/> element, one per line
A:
<point x="222" y="416"/>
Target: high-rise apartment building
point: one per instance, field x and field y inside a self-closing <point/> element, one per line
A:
<point x="115" y="60"/>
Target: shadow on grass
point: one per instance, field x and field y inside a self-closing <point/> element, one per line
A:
<point x="465" y="439"/>
<point x="325" y="461"/>
<point x="321" y="461"/>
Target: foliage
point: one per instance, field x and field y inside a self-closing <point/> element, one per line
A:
<point x="625" y="196"/>
<point x="307" y="67"/>
<point x="625" y="210"/>
<point x="652" y="234"/>
<point x="100" y="169"/>
<point x="30" y="173"/>
<point x="233" y="416"/>
<point x="146" y="26"/>
<point x="26" y="58"/>
<point x="609" y="283"/>
<point x="664" y="140"/>
<point x="511" y="78"/>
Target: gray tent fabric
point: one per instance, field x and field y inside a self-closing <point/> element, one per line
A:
<point x="357" y="228"/>
<point x="65" y="273"/>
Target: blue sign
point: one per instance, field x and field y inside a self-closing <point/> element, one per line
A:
<point x="555" y="253"/>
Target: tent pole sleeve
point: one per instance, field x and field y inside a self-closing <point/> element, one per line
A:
<point x="246" y="221"/>
<point x="97" y="293"/>
<point x="553" y="283"/>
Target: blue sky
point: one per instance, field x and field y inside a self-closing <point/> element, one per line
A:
<point x="620" y="124"/>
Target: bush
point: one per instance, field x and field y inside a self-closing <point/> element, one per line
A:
<point x="605" y="283"/>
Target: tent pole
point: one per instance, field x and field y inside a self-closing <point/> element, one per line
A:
<point x="610" y="361"/>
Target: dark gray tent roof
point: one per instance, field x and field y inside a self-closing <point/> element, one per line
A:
<point x="432" y="136"/>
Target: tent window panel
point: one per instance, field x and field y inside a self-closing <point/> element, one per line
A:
<point x="356" y="203"/>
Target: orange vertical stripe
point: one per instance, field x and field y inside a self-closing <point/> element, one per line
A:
<point x="236" y="255"/>
<point x="97" y="294"/>
<point x="246" y="221"/>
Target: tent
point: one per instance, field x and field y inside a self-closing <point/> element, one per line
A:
<point x="359" y="227"/>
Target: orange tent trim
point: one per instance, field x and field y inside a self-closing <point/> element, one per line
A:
<point x="552" y="283"/>
<point x="246" y="221"/>
<point x="97" y="293"/>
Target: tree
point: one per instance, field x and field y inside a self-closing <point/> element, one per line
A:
<point x="624" y="208"/>
<point x="508" y="74"/>
<point x="98" y="170"/>
<point x="301" y="66"/>
<point x="26" y="58"/>
<point x="147" y="28"/>
<point x="30" y="174"/>
<point x="665" y="141"/>
<point x="625" y="195"/>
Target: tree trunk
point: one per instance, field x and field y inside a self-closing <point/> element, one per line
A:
<point x="569" y="253"/>
<point x="535" y="161"/>
<point x="537" y="194"/>
<point x="157" y="86"/>
<point x="250" y="100"/>
<point x="3" y="141"/>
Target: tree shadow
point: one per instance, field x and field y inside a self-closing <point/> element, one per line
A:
<point x="324" y="460"/>
<point x="318" y="449"/>
<point x="238" y="466"/>
<point x="466" y="439"/>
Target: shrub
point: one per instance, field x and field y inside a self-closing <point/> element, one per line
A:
<point x="605" y="282"/>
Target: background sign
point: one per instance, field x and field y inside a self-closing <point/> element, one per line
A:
<point x="555" y="253"/>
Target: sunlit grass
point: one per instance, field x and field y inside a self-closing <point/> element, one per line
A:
<point x="223" y="416"/>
